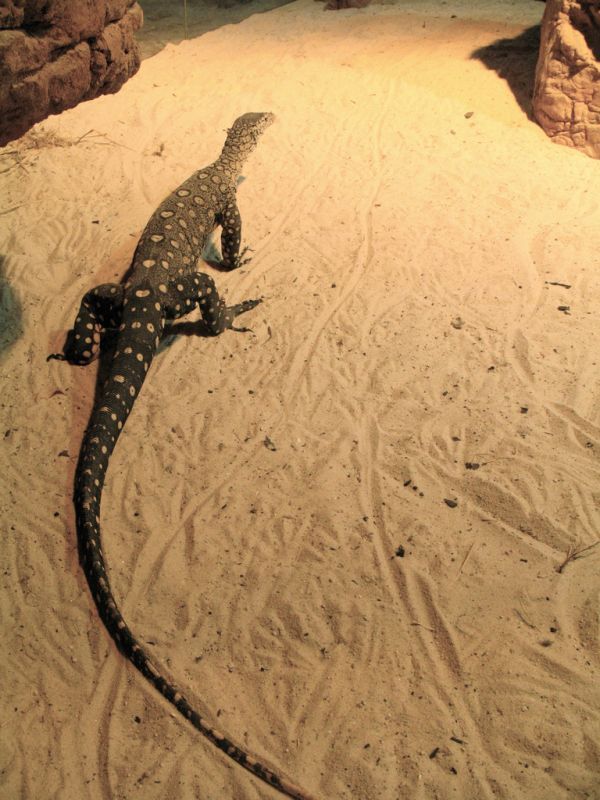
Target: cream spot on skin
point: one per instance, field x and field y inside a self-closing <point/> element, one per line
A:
<point x="183" y="223"/>
<point x="128" y="350"/>
<point x="139" y="357"/>
<point x="175" y="244"/>
<point x="157" y="306"/>
<point x="118" y="379"/>
<point x="132" y="390"/>
<point x="162" y="288"/>
<point x="157" y="237"/>
<point x="166" y="214"/>
<point x="180" y="205"/>
<point x="136" y="325"/>
<point x="149" y="262"/>
<point x="164" y="264"/>
<point x="183" y="192"/>
<point x="168" y="227"/>
<point x="143" y="292"/>
<point x="150" y="327"/>
<point x="180" y="287"/>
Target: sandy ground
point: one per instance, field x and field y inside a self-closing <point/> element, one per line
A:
<point x="275" y="515"/>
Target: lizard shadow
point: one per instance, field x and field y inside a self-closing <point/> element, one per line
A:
<point x="515" y="61"/>
<point x="212" y="256"/>
<point x="11" y="312"/>
<point x="196" y="328"/>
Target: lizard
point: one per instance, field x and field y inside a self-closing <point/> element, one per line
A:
<point x="161" y="285"/>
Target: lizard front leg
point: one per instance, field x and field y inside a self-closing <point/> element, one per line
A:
<point x="100" y="308"/>
<point x="231" y="236"/>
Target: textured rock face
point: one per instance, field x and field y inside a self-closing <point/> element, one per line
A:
<point x="566" y="99"/>
<point x="55" y="53"/>
<point x="334" y="5"/>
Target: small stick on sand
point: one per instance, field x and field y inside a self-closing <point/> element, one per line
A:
<point x="464" y="561"/>
<point x="573" y="554"/>
<point x="419" y="625"/>
<point x="522" y="617"/>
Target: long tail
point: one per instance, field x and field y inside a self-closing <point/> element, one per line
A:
<point x="136" y="347"/>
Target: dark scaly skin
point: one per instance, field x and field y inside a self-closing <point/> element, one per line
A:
<point x="163" y="284"/>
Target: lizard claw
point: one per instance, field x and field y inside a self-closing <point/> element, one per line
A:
<point x="239" y="259"/>
<point x="240" y="308"/>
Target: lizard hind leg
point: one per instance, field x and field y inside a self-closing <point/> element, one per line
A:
<point x="101" y="308"/>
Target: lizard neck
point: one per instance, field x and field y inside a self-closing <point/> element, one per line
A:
<point x="238" y="146"/>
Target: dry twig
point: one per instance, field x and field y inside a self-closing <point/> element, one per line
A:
<point x="573" y="554"/>
<point x="464" y="561"/>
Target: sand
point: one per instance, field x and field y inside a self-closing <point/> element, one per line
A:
<point x="276" y="515"/>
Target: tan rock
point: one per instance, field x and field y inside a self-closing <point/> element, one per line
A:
<point x="87" y="49"/>
<point x="334" y="5"/>
<point x="566" y="99"/>
<point x="11" y="14"/>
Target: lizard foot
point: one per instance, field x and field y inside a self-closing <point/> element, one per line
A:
<point x="240" y="308"/>
<point x="245" y="305"/>
<point x="239" y="260"/>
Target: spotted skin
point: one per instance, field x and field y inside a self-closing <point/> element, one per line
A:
<point x="163" y="284"/>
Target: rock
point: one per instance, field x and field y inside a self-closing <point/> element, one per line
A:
<point x="334" y="5"/>
<point x="566" y="100"/>
<point x="11" y="15"/>
<point x="56" y="53"/>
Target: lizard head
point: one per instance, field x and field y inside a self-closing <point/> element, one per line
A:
<point x="252" y="124"/>
<point x="242" y="137"/>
